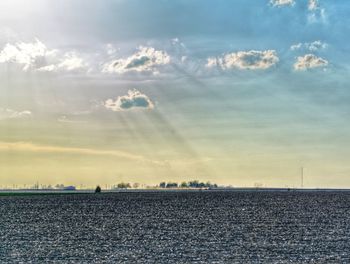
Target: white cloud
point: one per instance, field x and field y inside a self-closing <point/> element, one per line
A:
<point x="70" y="61"/>
<point x="7" y="34"/>
<point x="312" y="46"/>
<point x="65" y="119"/>
<point x="177" y="42"/>
<point x="36" y="56"/>
<point x="248" y="60"/>
<point x="296" y="46"/>
<point x="110" y="49"/>
<point x="316" y="45"/>
<point x="6" y="113"/>
<point x="213" y="62"/>
<point x="282" y="2"/>
<point x="313" y="5"/>
<point x="31" y="55"/>
<point x="145" y="59"/>
<point x="134" y="100"/>
<point x="317" y="14"/>
<point x="309" y="61"/>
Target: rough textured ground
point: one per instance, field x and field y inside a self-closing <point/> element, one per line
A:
<point x="176" y="227"/>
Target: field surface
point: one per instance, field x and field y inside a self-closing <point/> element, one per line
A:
<point x="177" y="227"/>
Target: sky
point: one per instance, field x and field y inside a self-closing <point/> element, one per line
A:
<point x="235" y="92"/>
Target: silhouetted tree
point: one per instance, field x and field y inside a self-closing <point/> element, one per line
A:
<point x="98" y="189"/>
<point x="123" y="185"/>
<point x="208" y="184"/>
<point x="171" y="185"/>
<point x="183" y="185"/>
<point x="193" y="184"/>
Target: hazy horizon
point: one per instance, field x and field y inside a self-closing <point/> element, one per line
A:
<point x="236" y="93"/>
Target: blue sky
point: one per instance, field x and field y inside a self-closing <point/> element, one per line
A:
<point x="235" y="92"/>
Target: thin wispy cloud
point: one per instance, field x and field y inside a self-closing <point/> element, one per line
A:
<point x="70" y="61"/>
<point x="65" y="119"/>
<point x="311" y="46"/>
<point x="317" y="14"/>
<point x="111" y="49"/>
<point x="31" y="147"/>
<point x="6" y="113"/>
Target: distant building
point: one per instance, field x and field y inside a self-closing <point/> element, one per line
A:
<point x="69" y="188"/>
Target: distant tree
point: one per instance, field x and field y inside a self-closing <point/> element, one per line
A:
<point x="171" y="185"/>
<point x="208" y="184"/>
<point x="183" y="185"/>
<point x="193" y="184"/>
<point x="123" y="185"/>
<point x="98" y="189"/>
<point x="258" y="185"/>
<point x="136" y="185"/>
<point x="162" y="185"/>
<point x="197" y="184"/>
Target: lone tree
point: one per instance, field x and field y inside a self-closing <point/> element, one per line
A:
<point x="98" y="189"/>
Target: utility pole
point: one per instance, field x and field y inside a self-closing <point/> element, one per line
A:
<point x="302" y="177"/>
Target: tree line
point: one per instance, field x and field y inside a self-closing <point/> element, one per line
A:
<point x="190" y="184"/>
<point x="168" y="185"/>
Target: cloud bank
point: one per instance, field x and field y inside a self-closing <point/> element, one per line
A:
<point x="133" y="100"/>
<point x="245" y="60"/>
<point x="35" y="56"/>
